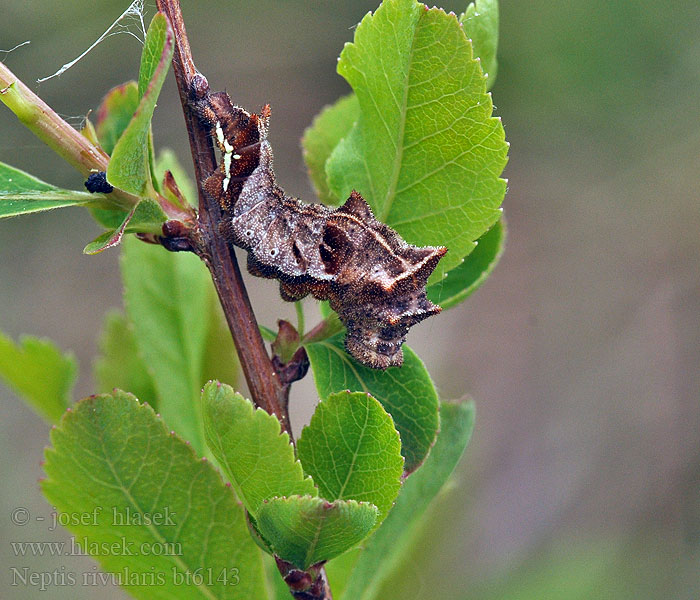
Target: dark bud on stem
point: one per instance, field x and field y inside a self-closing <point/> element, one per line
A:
<point x="199" y="87"/>
<point x="176" y="237"/>
<point x="97" y="183"/>
<point x="305" y="585"/>
<point x="288" y="356"/>
<point x="293" y="370"/>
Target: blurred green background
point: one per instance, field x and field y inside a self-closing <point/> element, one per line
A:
<point x="582" y="350"/>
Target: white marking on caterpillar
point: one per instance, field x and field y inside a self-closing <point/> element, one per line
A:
<point x="219" y="134"/>
<point x="227" y="170"/>
<point x="227" y="150"/>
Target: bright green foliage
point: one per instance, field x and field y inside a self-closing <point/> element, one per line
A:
<point x="108" y="239"/>
<point x="155" y="51"/>
<point x="425" y="151"/>
<point x="352" y="451"/>
<point x="167" y="296"/>
<point x="39" y="372"/>
<point x="113" y="116"/>
<point x="392" y="541"/>
<point x="146" y="216"/>
<point x="129" y="168"/>
<point x="331" y="125"/>
<point x="220" y="358"/>
<point x="114" y="459"/>
<point x="305" y="530"/>
<point x="120" y="364"/>
<point x="407" y="393"/>
<point x="461" y="281"/>
<point x="22" y="193"/>
<point x="123" y="127"/>
<point x="480" y="22"/>
<point x="249" y="445"/>
<point x="115" y="113"/>
<point x="418" y="140"/>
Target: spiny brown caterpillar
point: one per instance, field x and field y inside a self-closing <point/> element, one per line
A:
<point x="371" y="277"/>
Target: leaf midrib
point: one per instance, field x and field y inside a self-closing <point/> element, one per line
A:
<point x="354" y="454"/>
<point x="314" y="542"/>
<point x="391" y="190"/>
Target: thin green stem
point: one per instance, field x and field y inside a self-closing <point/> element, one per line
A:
<point x="300" y="317"/>
<point x="51" y="129"/>
<point x="325" y="329"/>
<point x="71" y="145"/>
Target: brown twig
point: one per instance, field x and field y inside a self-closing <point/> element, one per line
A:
<point x="265" y="387"/>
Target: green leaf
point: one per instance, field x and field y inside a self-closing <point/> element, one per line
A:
<point x="138" y="487"/>
<point x="220" y="357"/>
<point x="22" y="193"/>
<point x="331" y="125"/>
<point x="352" y="451"/>
<point x="40" y="373"/>
<point x="13" y="205"/>
<point x="325" y="309"/>
<point x="304" y="530"/>
<point x="167" y="298"/>
<point x="109" y="239"/>
<point x="480" y="22"/>
<point x="120" y="365"/>
<point x="150" y="59"/>
<point x="146" y="217"/>
<point x="129" y="169"/>
<point x="407" y="393"/>
<point x="249" y="445"/>
<point x="114" y="114"/>
<point x="109" y="218"/>
<point x="391" y="542"/>
<point x="159" y="35"/>
<point x="425" y="151"/>
<point x="461" y="281"/>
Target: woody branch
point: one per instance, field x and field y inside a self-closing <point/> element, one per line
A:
<point x="266" y="389"/>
